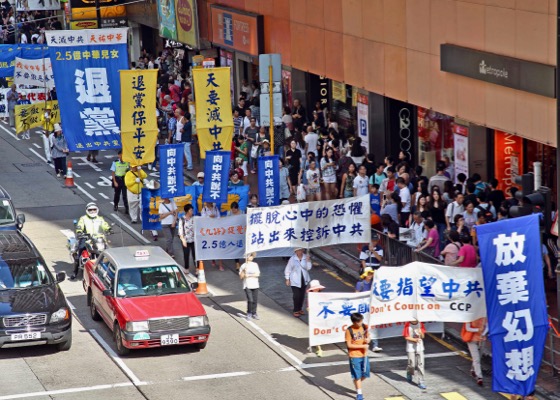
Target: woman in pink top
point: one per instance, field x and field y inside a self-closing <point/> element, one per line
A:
<point x="451" y="251"/>
<point x="430" y="246"/>
<point x="467" y="255"/>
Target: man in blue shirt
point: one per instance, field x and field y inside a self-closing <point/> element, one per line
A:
<point x="372" y="254"/>
<point x="375" y="199"/>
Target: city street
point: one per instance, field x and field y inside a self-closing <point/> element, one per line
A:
<point x="266" y="359"/>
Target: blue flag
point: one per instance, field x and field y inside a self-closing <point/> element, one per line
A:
<point x="9" y="52"/>
<point x="150" y="221"/>
<point x="171" y="170"/>
<point x="86" y="66"/>
<point x="216" y="176"/>
<point x="269" y="181"/>
<point x="512" y="262"/>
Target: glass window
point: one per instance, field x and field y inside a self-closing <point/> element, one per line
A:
<point x="151" y="281"/>
<point x="6" y="213"/>
<point x="21" y="275"/>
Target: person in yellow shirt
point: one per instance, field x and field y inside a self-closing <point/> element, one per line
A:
<point x="134" y="181"/>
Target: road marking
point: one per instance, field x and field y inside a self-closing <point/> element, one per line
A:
<point x="130" y="228"/>
<point x="128" y="372"/>
<point x="40" y="156"/>
<point x="37" y="146"/>
<point x="89" y="185"/>
<point x="10" y="133"/>
<point x="70" y="305"/>
<point x="216" y="376"/>
<point x="335" y="276"/>
<point x="86" y="193"/>
<point x="453" y="396"/>
<point x="449" y="346"/>
<point x="65" y="391"/>
<point x="395" y="398"/>
<point x="86" y="162"/>
<point x="103" y="195"/>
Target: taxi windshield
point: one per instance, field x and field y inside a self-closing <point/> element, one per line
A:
<point x="151" y="281"/>
<point x="22" y="275"/>
<point x="6" y="214"/>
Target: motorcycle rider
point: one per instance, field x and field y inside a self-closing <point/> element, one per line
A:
<point x="92" y="224"/>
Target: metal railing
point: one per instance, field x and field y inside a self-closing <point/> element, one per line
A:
<point x="551" y="357"/>
<point x="397" y="253"/>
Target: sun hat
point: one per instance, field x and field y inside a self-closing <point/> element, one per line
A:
<point x="57" y="128"/>
<point x="200" y="175"/>
<point x="367" y="270"/>
<point x="315" y="285"/>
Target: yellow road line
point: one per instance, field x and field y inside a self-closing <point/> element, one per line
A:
<point x="453" y="396"/>
<point x="338" y="278"/>
<point x="395" y="398"/>
<point x="449" y="346"/>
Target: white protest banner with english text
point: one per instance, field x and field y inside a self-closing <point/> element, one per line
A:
<point x="309" y="225"/>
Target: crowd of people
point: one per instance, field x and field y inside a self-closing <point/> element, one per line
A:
<point x="26" y="26"/>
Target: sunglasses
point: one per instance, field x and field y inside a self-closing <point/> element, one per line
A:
<point x="92" y="209"/>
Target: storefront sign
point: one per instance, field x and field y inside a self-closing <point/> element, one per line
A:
<point x="338" y="91"/>
<point x="167" y="20"/>
<point x="238" y="30"/>
<point x="187" y="22"/>
<point x="508" y="160"/>
<point x="363" y="120"/>
<point x="511" y="72"/>
<point x="461" y="150"/>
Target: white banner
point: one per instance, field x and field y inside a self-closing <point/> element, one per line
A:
<point x="34" y="72"/>
<point x="39" y="5"/>
<point x="309" y="225"/>
<point x="83" y="37"/>
<point x="26" y="96"/>
<point x="224" y="239"/>
<point x="428" y="293"/>
<point x="461" y="155"/>
<point x="395" y="330"/>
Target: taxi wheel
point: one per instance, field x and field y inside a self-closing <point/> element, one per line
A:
<point x="123" y="351"/>
<point x="92" y="309"/>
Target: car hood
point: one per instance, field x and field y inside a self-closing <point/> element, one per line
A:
<point x="41" y="299"/>
<point x="169" y="305"/>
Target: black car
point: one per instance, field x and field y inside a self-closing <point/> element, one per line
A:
<point x="33" y="309"/>
<point x="8" y="218"/>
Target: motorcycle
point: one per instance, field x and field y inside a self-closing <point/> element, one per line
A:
<point x="93" y="246"/>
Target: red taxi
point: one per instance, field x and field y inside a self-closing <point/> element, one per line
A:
<point x="143" y="295"/>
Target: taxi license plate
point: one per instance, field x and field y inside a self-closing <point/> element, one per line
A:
<point x="26" y="336"/>
<point x="167" y="340"/>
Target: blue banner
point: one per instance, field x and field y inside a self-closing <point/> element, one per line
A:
<point x="171" y="170"/>
<point x="269" y="181"/>
<point x="9" y="52"/>
<point x="216" y="176"/>
<point x="512" y="264"/>
<point x="86" y="66"/>
<point x="150" y="222"/>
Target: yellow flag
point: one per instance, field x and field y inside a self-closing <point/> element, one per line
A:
<point x="214" y="119"/>
<point x="139" y="131"/>
<point x="33" y="116"/>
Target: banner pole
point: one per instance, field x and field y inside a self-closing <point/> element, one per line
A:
<point x="270" y="86"/>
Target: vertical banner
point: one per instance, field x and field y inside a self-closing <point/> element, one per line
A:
<point x="138" y="117"/>
<point x="34" y="72"/>
<point x="269" y="181"/>
<point x="167" y="22"/>
<point x="214" y="122"/>
<point x="363" y="120"/>
<point x="33" y="116"/>
<point x="511" y="256"/>
<point x="85" y="65"/>
<point x="508" y="160"/>
<point x="216" y="177"/>
<point x="461" y="150"/>
<point x="171" y="170"/>
<point x="150" y="209"/>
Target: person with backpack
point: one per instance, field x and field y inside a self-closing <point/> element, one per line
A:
<point x="414" y="335"/>
<point x="451" y="251"/>
<point x="484" y="206"/>
<point x="474" y="334"/>
<point x="357" y="340"/>
<point x="364" y="285"/>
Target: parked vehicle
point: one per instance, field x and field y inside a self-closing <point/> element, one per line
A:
<point x="33" y="309"/>
<point x="9" y="220"/>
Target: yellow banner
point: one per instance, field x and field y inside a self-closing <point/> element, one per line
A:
<point x="33" y="116"/>
<point x="214" y="120"/>
<point x="139" y="131"/>
<point x="187" y="22"/>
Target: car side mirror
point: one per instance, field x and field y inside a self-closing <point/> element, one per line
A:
<point x="60" y="277"/>
<point x="20" y="219"/>
<point x="194" y="285"/>
<point x="107" y="293"/>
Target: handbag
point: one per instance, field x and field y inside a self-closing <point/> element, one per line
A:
<point x="254" y="151"/>
<point x="466" y="335"/>
<point x="301" y="195"/>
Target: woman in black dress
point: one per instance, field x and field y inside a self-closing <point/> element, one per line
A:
<point x="293" y="158"/>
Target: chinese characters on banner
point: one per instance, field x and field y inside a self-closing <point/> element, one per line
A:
<point x="9" y="52"/>
<point x="216" y="176"/>
<point x="428" y="293"/>
<point x="138" y="115"/>
<point x="214" y="120"/>
<point x="171" y="170"/>
<point x="33" y="116"/>
<point x="269" y="181"/>
<point x="34" y="72"/>
<point x="309" y="225"/>
<point x="85" y="65"/>
<point x="511" y="256"/>
<point x="26" y="96"/>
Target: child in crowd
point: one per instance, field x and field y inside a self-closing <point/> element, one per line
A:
<point x="414" y="336"/>
<point x="357" y="341"/>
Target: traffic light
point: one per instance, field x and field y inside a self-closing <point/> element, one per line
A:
<point x="527" y="188"/>
<point x="541" y="201"/>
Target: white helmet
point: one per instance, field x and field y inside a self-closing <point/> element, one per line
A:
<point x="92" y="210"/>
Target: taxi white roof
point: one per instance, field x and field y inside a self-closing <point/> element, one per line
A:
<point x="125" y="257"/>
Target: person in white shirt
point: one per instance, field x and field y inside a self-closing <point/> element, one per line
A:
<point x="404" y="194"/>
<point x="361" y="182"/>
<point x="23" y="38"/>
<point x="454" y="208"/>
<point x="297" y="277"/>
<point x="418" y="231"/>
<point x="311" y="139"/>
<point x="211" y="211"/>
<point x="168" y="218"/>
<point x="249" y="272"/>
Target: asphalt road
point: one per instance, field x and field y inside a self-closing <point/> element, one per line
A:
<point x="266" y="359"/>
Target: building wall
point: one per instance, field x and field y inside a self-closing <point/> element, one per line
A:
<point x="391" y="47"/>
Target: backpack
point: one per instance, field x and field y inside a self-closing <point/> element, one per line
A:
<point x="364" y="327"/>
<point x="487" y="213"/>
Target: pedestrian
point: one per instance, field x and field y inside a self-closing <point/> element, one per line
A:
<point x="186" y="139"/>
<point x="235" y="210"/>
<point x="242" y="154"/>
<point x="92" y="156"/>
<point x="466" y="257"/>
<point x="134" y="181"/>
<point x="168" y="218"/>
<point x="431" y="245"/>
<point x="451" y="251"/>
<point x="474" y="335"/>
<point x="313" y="188"/>
<point x="293" y="158"/>
<point x="119" y="168"/>
<point x="414" y="336"/>
<point x="253" y="201"/>
<point x="186" y="234"/>
<point x="316" y="287"/>
<point x="372" y="254"/>
<point x="364" y="285"/>
<point x="249" y="273"/>
<point x="285" y="183"/>
<point x="328" y="173"/>
<point x="361" y="182"/>
<point x="59" y="151"/>
<point x="357" y="340"/>
<point x="211" y="211"/>
<point x="199" y="179"/>
<point x="347" y="183"/>
<point x="12" y="96"/>
<point x="47" y="144"/>
<point x="297" y="277"/>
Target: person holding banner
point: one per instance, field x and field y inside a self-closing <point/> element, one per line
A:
<point x="186" y="234"/>
<point x="59" y="151"/>
<point x="168" y="218"/>
<point x="133" y="180"/>
<point x="249" y="273"/>
<point x="12" y="96"/>
<point x="297" y="277"/>
<point x="211" y="211"/>
<point x="474" y="335"/>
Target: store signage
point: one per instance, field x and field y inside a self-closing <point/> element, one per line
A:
<point x="514" y="73"/>
<point x="238" y="30"/>
<point x="508" y="160"/>
<point x="319" y="91"/>
<point x="403" y="120"/>
<point x="187" y="22"/>
<point x="363" y="120"/>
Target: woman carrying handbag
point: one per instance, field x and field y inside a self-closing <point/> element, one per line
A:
<point x="249" y="273"/>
